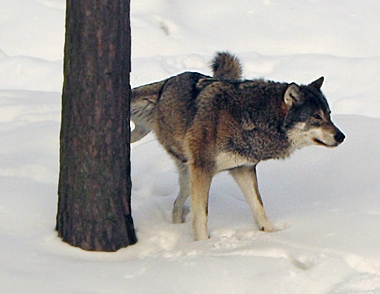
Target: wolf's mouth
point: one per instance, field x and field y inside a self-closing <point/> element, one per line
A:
<point x="319" y="142"/>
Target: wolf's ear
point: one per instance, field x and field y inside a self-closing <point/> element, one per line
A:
<point x="317" y="84"/>
<point x="293" y="95"/>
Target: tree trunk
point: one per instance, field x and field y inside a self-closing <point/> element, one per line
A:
<point x="94" y="211"/>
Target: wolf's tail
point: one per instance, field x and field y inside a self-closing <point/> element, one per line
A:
<point x="226" y="66"/>
<point x="143" y="105"/>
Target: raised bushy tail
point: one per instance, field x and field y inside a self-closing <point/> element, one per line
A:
<point x="226" y="66"/>
<point x="143" y="105"/>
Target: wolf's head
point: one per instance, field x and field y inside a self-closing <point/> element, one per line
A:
<point x="307" y="120"/>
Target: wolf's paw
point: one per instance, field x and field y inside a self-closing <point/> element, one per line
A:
<point x="201" y="236"/>
<point x="269" y="227"/>
<point x="179" y="215"/>
<point x="178" y="219"/>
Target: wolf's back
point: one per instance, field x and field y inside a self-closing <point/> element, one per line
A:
<point x="225" y="66"/>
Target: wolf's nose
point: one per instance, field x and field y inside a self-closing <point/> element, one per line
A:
<point x="339" y="137"/>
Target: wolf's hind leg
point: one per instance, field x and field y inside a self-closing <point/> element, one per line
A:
<point x="179" y="211"/>
<point x="246" y="178"/>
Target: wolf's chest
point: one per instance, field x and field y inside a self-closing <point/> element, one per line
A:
<point x="229" y="160"/>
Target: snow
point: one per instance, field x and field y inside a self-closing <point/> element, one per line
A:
<point x="325" y="202"/>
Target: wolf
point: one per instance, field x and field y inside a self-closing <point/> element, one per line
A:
<point x="210" y="124"/>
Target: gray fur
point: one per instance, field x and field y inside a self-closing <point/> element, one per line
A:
<point x="211" y="124"/>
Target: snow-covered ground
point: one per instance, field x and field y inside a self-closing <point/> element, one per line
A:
<point x="326" y="201"/>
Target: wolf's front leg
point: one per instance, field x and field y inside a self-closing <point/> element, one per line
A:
<point x="200" y="183"/>
<point x="245" y="177"/>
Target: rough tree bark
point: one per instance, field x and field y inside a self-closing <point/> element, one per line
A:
<point x="94" y="211"/>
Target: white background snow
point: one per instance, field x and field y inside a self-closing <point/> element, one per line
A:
<point x="325" y="201"/>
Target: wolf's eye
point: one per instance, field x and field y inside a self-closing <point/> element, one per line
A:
<point x="317" y="116"/>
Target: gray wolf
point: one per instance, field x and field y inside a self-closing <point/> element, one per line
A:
<point x="223" y="123"/>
